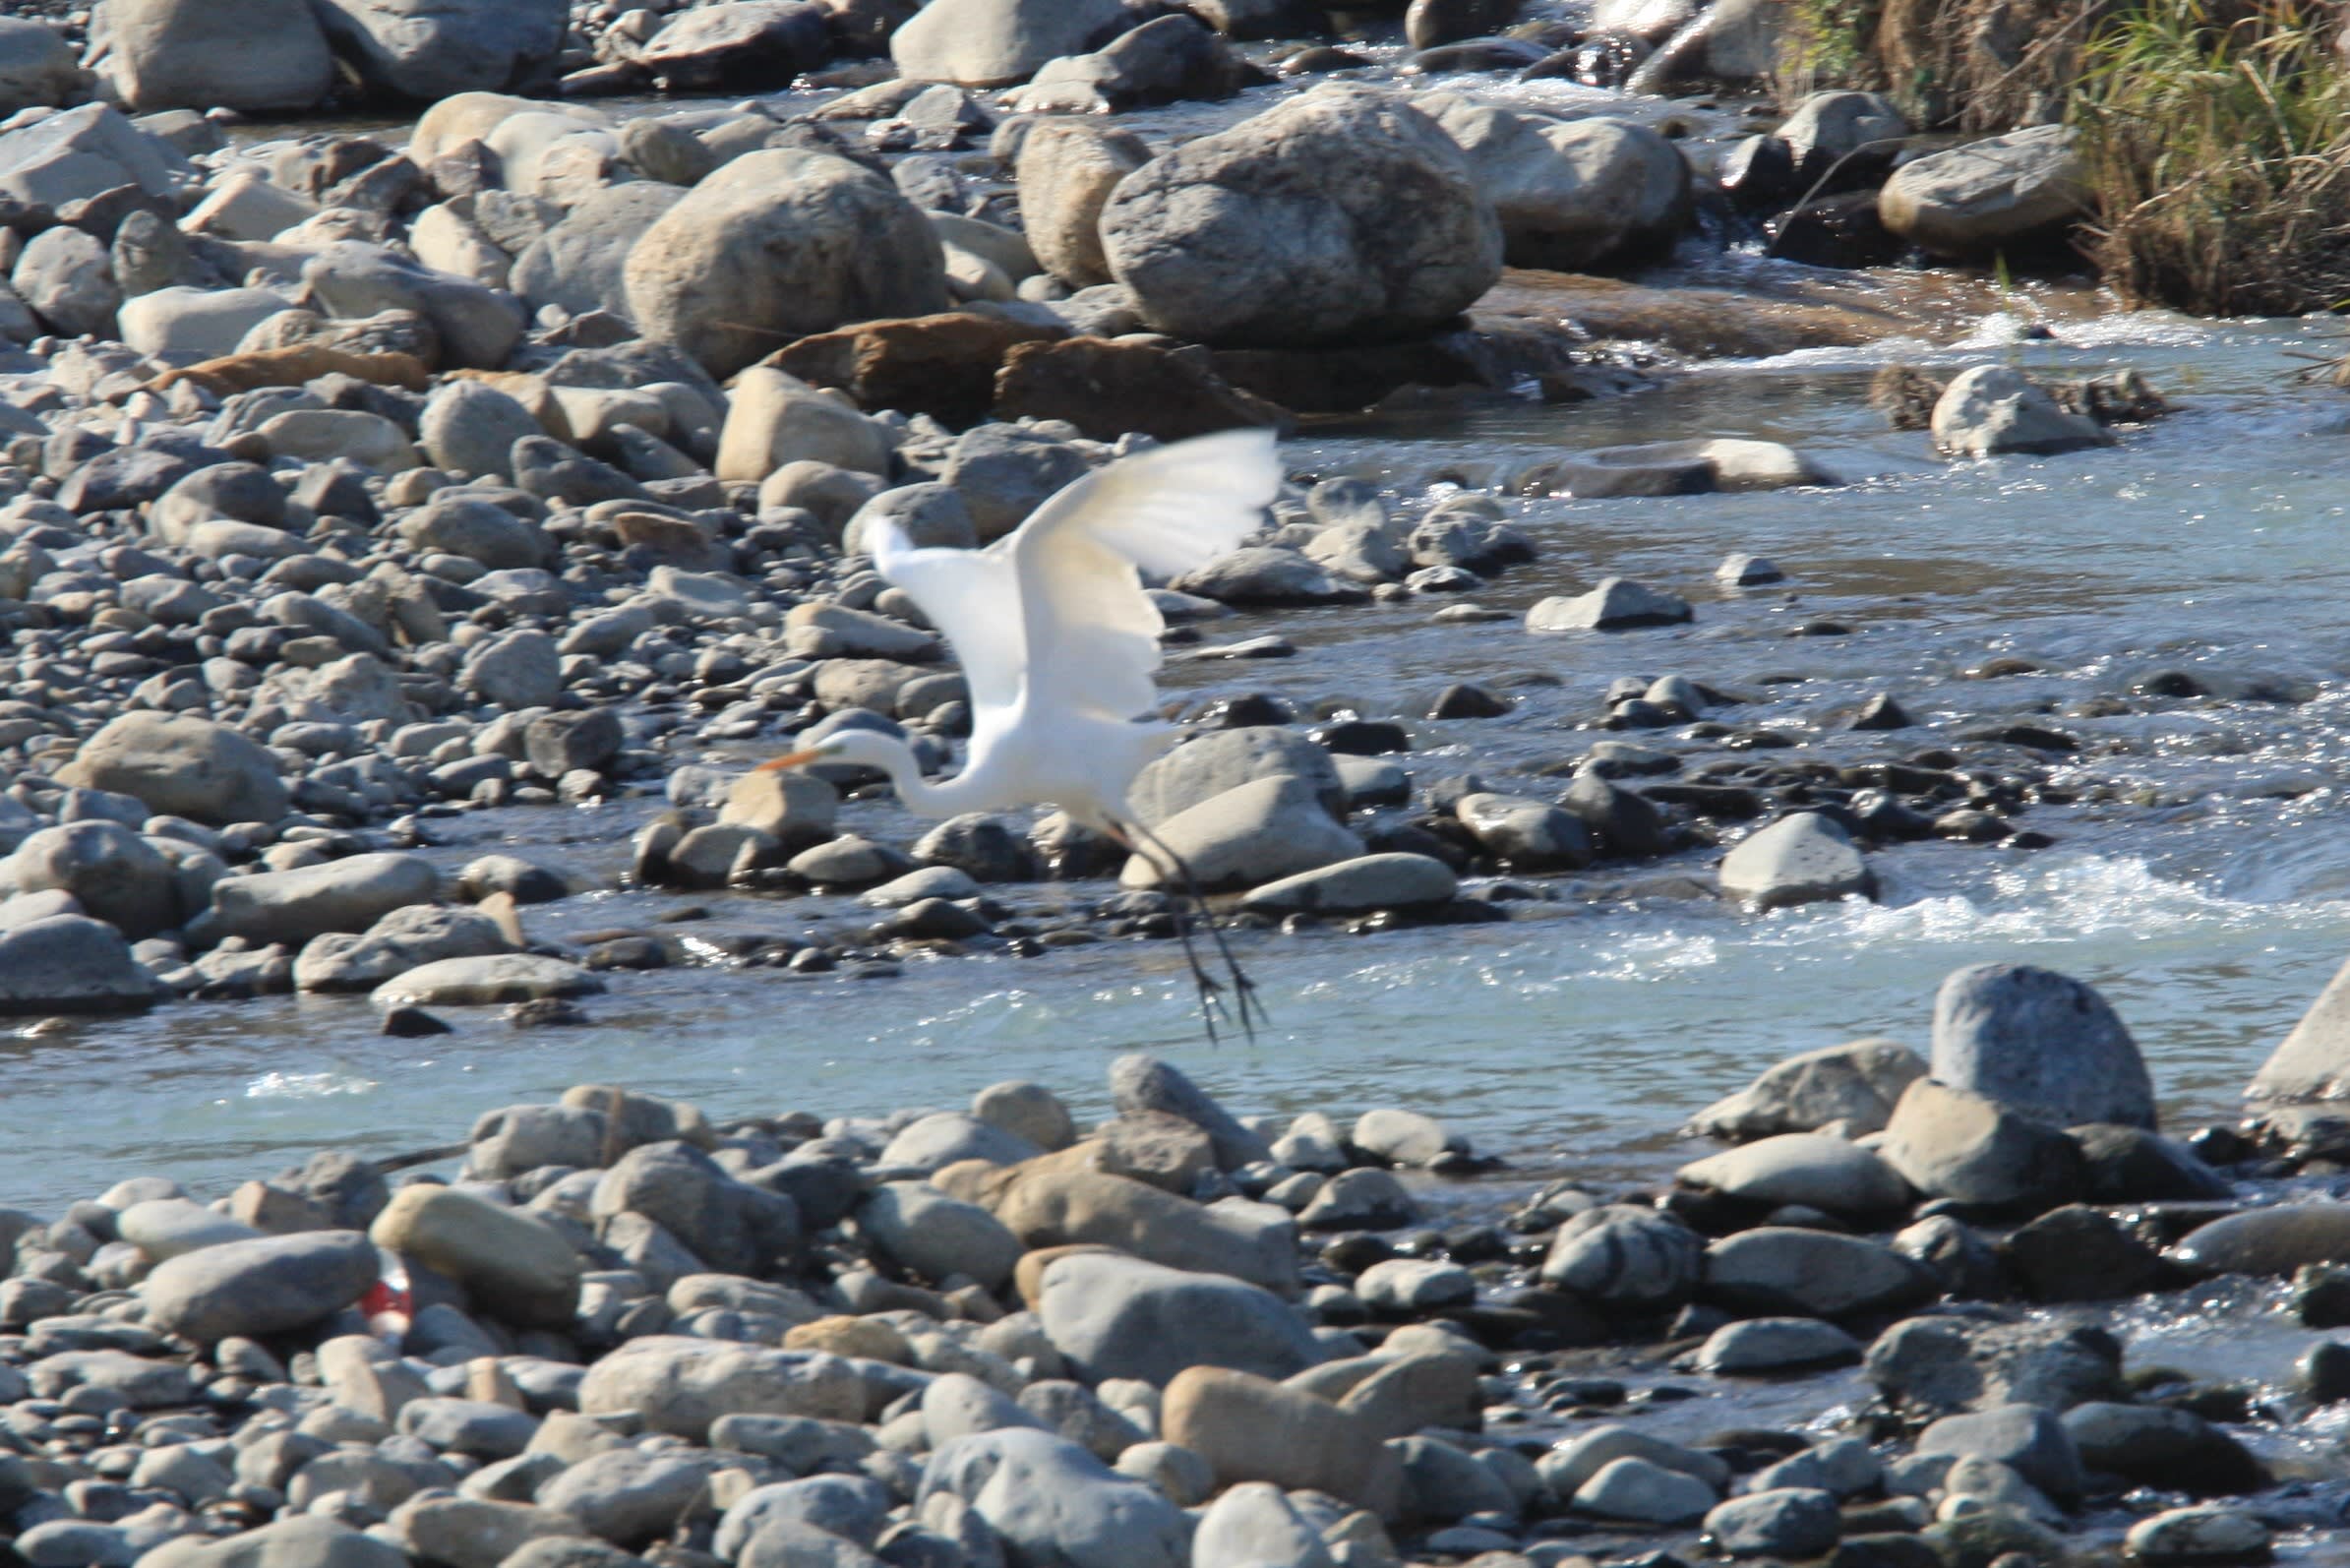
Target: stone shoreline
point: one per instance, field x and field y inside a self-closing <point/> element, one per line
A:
<point x="624" y="1333"/>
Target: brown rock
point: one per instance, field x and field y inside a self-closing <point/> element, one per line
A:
<point x="867" y="1338"/>
<point x="292" y="367"/>
<point x="1107" y="388"/>
<point x="944" y="365"/>
<point x="274" y="1211"/>
<point x="1165" y="1151"/>
<point x="1055" y="1208"/>
<point x="1252" y="1428"/>
<point x="678" y="541"/>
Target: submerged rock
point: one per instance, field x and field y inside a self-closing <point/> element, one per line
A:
<point x="1989" y="409"/>
<point x="1801" y="858"/>
<point x="1616" y="604"/>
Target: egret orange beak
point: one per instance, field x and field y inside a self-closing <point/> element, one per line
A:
<point x="794" y="760"/>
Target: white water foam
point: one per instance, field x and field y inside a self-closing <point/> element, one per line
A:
<point x="307" y="1085"/>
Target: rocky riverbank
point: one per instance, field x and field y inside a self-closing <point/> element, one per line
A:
<point x="346" y="485"/>
<point x="620" y="1333"/>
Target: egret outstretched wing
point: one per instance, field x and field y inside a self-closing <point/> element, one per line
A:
<point x="1091" y="633"/>
<point x="1053" y="616"/>
<point x="973" y="598"/>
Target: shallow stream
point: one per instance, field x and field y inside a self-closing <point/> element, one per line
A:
<point x="2210" y="896"/>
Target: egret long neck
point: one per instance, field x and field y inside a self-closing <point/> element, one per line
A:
<point x="896" y="759"/>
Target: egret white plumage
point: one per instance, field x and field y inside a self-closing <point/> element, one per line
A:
<point x="1059" y="644"/>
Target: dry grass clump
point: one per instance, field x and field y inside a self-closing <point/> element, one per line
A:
<point x="2217" y="149"/>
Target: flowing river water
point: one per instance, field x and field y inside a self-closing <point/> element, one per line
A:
<point x="2203" y="883"/>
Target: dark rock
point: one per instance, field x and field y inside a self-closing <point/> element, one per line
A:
<point x="2078" y="1254"/>
<point x="2155" y="1445"/>
<point x="1840" y="231"/>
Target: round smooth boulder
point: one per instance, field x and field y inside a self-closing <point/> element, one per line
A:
<point x="1801" y="859"/>
<point x="2044" y="1045"/>
<point x="202" y="54"/>
<point x="37" y="67"/>
<point x="266" y="1285"/>
<point x="182" y="765"/>
<point x="1992" y="195"/>
<point x="428" y="49"/>
<point x="777" y="245"/>
<point x="1576" y="195"/>
<point x="994" y="43"/>
<point x="1342" y="214"/>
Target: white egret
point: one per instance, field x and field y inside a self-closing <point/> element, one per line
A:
<point x="1059" y="645"/>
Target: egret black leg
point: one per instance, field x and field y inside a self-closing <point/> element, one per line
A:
<point x="1211" y="989"/>
<point x="1245" y="1001"/>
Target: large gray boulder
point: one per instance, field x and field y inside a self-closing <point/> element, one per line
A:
<point x="1786" y="1269"/>
<point x="1857" y="1083"/>
<point x="581" y="263"/>
<point x="1805" y="1168"/>
<point x="266" y="1285"/>
<point x="1116" y="1316"/>
<point x="1050" y="1502"/>
<point x="428" y="49"/>
<point x="994" y="43"/>
<point x="70" y="963"/>
<point x="67" y="277"/>
<point x="1141" y="1083"/>
<point x="298" y="1540"/>
<point x="1266" y="828"/>
<point x="77" y="155"/>
<point x="111" y="870"/>
<point x="1626" y="1255"/>
<point x="469" y="428"/>
<point x="680" y="1386"/>
<point x="182" y="765"/>
<point x="2044" y="1045"/>
<point x="1997" y="194"/>
<point x="1342" y="214"/>
<point x="776" y="245"/>
<point x="1945" y="1365"/>
<point x="752" y="43"/>
<point x="1587" y="195"/>
<point x="37" y="67"/>
<point x="200" y="54"/>
<point x="2027" y="1439"/>
<point x="938" y="1236"/>
<point x="731" y="1224"/>
<point x="348" y="895"/>
<point x="1221" y="759"/>
<point x="1953" y="1143"/>
<point x="478" y="325"/>
<point x="406" y="938"/>
<point x="1615" y="604"/>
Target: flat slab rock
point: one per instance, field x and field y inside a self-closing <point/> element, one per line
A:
<point x="1618" y="604"/>
<point x="487" y="980"/>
